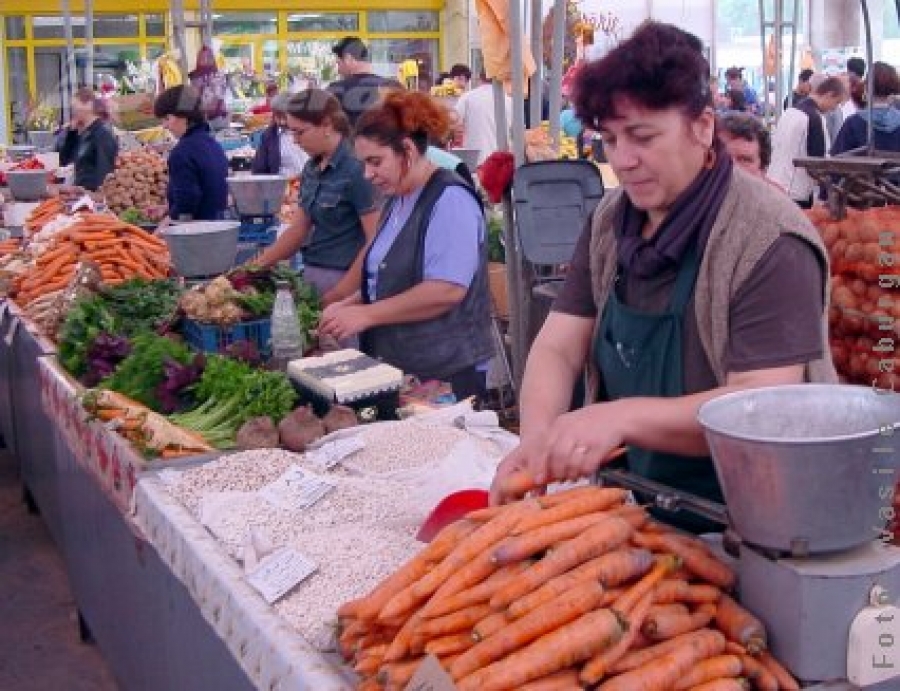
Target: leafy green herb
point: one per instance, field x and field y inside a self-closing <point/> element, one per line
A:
<point x="139" y="375"/>
<point x="141" y="305"/>
<point x="88" y="318"/>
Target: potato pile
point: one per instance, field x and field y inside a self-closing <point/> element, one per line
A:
<point x="138" y="182"/>
<point x="563" y="591"/>
<point x="864" y="317"/>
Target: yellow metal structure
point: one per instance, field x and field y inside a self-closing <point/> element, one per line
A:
<point x="281" y="36"/>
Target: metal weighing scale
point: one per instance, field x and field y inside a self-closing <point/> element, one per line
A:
<point x="257" y="201"/>
<point x="808" y="473"/>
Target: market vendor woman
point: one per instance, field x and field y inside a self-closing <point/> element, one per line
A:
<point x="424" y="303"/>
<point x="198" y="168"/>
<point x="691" y="280"/>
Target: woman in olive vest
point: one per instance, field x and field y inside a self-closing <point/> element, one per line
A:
<point x="424" y="305"/>
<point x="691" y="280"/>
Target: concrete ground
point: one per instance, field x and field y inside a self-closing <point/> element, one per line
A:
<point x="40" y="647"/>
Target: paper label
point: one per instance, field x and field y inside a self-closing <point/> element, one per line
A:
<point x="331" y="453"/>
<point x="279" y="572"/>
<point x="430" y="676"/>
<point x="11" y="333"/>
<point x="296" y="490"/>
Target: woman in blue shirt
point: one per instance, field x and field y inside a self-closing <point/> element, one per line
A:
<point x="424" y="304"/>
<point x="198" y="168"/>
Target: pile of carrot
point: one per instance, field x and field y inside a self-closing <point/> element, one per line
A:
<point x="43" y="213"/>
<point x="571" y="590"/>
<point x="10" y="246"/>
<point x="121" y="251"/>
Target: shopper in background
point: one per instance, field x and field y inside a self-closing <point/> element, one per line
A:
<point x="337" y="216"/>
<point x="856" y="82"/>
<point x="212" y="86"/>
<point x="88" y="142"/>
<point x="691" y="280"/>
<point x="801" y="90"/>
<point x="424" y="305"/>
<point x="802" y="131"/>
<point x="461" y="76"/>
<point x="885" y="118"/>
<point x="266" y="105"/>
<point x="278" y="153"/>
<point x="359" y="87"/>
<point x="198" y="168"/>
<point x="747" y="141"/>
<point x="735" y="80"/>
<point x="479" y="124"/>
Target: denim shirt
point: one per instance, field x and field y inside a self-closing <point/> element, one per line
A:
<point x="334" y="198"/>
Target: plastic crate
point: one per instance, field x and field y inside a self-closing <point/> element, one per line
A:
<point x="259" y="237"/>
<point x="211" y="338"/>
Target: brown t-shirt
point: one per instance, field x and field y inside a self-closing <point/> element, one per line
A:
<point x="775" y="318"/>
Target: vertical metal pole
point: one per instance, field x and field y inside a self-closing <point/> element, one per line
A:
<point x="778" y="41"/>
<point x="177" y="7"/>
<point x="70" y="73"/>
<point x="89" y="43"/>
<point x="763" y="25"/>
<point x="870" y="83"/>
<point x="518" y="81"/>
<point x="556" y="69"/>
<point x="536" y="89"/>
<point x="713" y="53"/>
<point x="500" y="116"/>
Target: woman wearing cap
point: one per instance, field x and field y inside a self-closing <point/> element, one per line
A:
<point x="424" y="304"/>
<point x="337" y="215"/>
<point x="691" y="279"/>
<point x="278" y="153"/>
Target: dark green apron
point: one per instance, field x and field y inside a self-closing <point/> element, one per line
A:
<point x="642" y="354"/>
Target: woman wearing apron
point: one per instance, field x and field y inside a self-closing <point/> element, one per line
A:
<point x="690" y="280"/>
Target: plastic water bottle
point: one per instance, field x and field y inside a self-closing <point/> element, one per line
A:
<point x="287" y="340"/>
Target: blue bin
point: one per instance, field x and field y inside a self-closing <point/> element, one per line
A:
<point x="212" y="338"/>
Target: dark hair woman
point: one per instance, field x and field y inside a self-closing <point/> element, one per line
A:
<point x="424" y="305"/>
<point x="336" y="219"/>
<point x="198" y="167"/>
<point x="88" y="142"/>
<point x="885" y="116"/>
<point x="691" y="279"/>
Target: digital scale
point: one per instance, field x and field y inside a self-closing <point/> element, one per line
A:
<point x="808" y="474"/>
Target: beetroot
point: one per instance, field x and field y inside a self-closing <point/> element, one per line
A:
<point x="339" y="417"/>
<point x="300" y="429"/>
<point x="258" y="433"/>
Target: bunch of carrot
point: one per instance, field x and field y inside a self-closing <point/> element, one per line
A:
<point x="121" y="251"/>
<point x="570" y="590"/>
<point x="43" y="213"/>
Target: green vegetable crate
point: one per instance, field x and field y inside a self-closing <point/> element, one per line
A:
<point x="212" y="338"/>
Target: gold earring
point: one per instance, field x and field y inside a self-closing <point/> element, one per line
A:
<point x="710" y="162"/>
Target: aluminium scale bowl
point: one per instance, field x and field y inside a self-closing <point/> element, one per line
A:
<point x="808" y="468"/>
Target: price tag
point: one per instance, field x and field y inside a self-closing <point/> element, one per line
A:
<point x="279" y="572"/>
<point x="330" y="454"/>
<point x="296" y="489"/>
<point x="11" y="334"/>
<point x="169" y="477"/>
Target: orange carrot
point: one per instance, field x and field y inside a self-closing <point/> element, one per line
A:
<point x="671" y="608"/>
<point x="565" y="647"/>
<point x="712" y="641"/>
<point x="527" y="544"/>
<point x="490" y="625"/>
<point x="370" y="684"/>
<point x="786" y="681"/>
<point x="663" y="565"/>
<point x="718" y="667"/>
<point x="740" y="626"/>
<point x="761" y="678"/>
<point x="474" y="595"/>
<point x="636" y="515"/>
<point x="566" y="680"/>
<point x="664" y="672"/>
<point x="679" y="590"/>
<point x="602" y="499"/>
<point x="722" y="685"/>
<point x="668" y="625"/>
<point x="599" y="665"/>
<point x="455" y="622"/>
<point x="696" y="559"/>
<point x="473" y="573"/>
<point x="484" y="537"/>
<point x="402" y="643"/>
<point x="564" y="609"/>
<point x="449" y="645"/>
<point x="599" y="539"/>
<point x="610" y="569"/>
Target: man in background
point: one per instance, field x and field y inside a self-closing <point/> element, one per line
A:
<point x="801" y="133"/>
<point x="359" y="86"/>
<point x="747" y="140"/>
<point x="801" y="90"/>
<point x="856" y="81"/>
<point x="461" y="76"/>
<point x="479" y="124"/>
<point x="735" y="79"/>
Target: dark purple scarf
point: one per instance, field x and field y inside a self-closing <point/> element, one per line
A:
<point x="690" y="218"/>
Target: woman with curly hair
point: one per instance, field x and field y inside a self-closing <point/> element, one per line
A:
<point x="424" y="304"/>
<point x="692" y="279"/>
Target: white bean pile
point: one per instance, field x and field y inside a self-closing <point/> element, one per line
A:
<point x="352" y="559"/>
